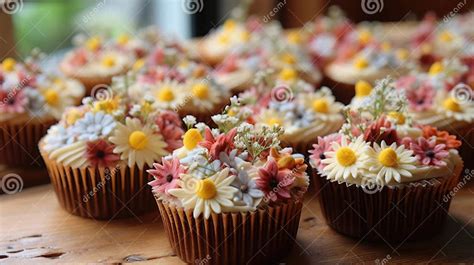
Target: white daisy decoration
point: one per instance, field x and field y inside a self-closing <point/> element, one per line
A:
<point x="390" y="162"/>
<point x="203" y="94"/>
<point x="56" y="101"/>
<point x="323" y="104"/>
<point x="457" y="109"/>
<point x="168" y="94"/>
<point x="137" y="143"/>
<point x="206" y="195"/>
<point x="347" y="159"/>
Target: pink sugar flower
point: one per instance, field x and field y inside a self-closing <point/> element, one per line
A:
<point x="170" y="127"/>
<point x="166" y="175"/>
<point x="275" y="183"/>
<point x="13" y="101"/>
<point x="324" y="145"/>
<point x="428" y="152"/>
<point x="100" y="154"/>
<point x="222" y="143"/>
<point x="422" y="97"/>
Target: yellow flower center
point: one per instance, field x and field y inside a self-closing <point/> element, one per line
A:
<point x="245" y="36"/>
<point x="273" y="121"/>
<point x="386" y="46"/>
<point x="191" y="138"/>
<point x="93" y="43"/>
<point x="107" y="105"/>
<point x="147" y="107"/>
<point x="346" y="156"/>
<point x="108" y="61"/>
<point x="231" y="112"/>
<point x="361" y="63"/>
<point x="123" y="39"/>
<point x="287" y="162"/>
<point x="138" y="140"/>
<point x="400" y="118"/>
<point x="166" y="94"/>
<point x="451" y="104"/>
<point x="320" y="105"/>
<point x="206" y="189"/>
<point x="363" y="88"/>
<point x="388" y="157"/>
<point x="402" y="54"/>
<point x="201" y="91"/>
<point x="72" y="116"/>
<point x="294" y="37"/>
<point x="51" y="97"/>
<point x="288" y="74"/>
<point x="224" y="39"/>
<point x="138" y="64"/>
<point x="288" y="58"/>
<point x="446" y="36"/>
<point x="436" y="68"/>
<point x="229" y="25"/>
<point x="365" y="36"/>
<point x="8" y="64"/>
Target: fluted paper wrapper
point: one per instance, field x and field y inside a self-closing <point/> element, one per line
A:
<point x="19" y="142"/>
<point x="101" y="193"/>
<point x="466" y="151"/>
<point x="413" y="211"/>
<point x="343" y="92"/>
<point x="262" y="237"/>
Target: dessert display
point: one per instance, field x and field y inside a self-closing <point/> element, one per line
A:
<point x="98" y="154"/>
<point x="382" y="159"/>
<point x="224" y="185"/>
<point x="31" y="100"/>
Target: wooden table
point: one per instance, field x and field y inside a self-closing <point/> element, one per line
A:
<point x="34" y="229"/>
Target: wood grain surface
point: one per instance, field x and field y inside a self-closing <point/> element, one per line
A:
<point x="35" y="230"/>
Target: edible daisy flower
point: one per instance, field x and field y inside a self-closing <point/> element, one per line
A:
<point x="454" y="108"/>
<point x="324" y="145"/>
<point x="101" y="154"/>
<point x="207" y="195"/>
<point x="275" y="183"/>
<point x="166" y="175"/>
<point x="12" y="101"/>
<point x="389" y="162"/>
<point x="323" y="103"/>
<point x="56" y="99"/>
<point x="94" y="126"/>
<point x="442" y="137"/>
<point x="428" y="152"/>
<point x="346" y="159"/>
<point x="137" y="143"/>
<point x="168" y="95"/>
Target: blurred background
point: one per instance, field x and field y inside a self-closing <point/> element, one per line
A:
<point x="51" y="24"/>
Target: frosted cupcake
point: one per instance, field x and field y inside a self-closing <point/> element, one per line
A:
<point x="230" y="195"/>
<point x="393" y="174"/>
<point x="304" y="113"/>
<point x="30" y="101"/>
<point x="187" y="88"/>
<point x="98" y="153"/>
<point x="96" y="60"/>
<point x="375" y="61"/>
<point x="439" y="99"/>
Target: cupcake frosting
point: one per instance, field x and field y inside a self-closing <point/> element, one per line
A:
<point x="113" y="129"/>
<point x="381" y="145"/>
<point x="28" y="92"/>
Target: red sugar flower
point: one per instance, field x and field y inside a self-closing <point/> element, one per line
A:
<point x="275" y="183"/>
<point x="13" y="101"/>
<point x="381" y="130"/>
<point x="100" y="154"/>
<point x="442" y="137"/>
<point x="222" y="143"/>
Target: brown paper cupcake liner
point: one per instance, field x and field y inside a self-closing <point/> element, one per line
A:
<point x="19" y="142"/>
<point x="101" y="193"/>
<point x="413" y="211"/>
<point x="262" y="237"/>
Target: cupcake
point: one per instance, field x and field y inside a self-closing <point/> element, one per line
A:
<point x="98" y="154"/>
<point x="438" y="98"/>
<point x="383" y="177"/>
<point x="373" y="62"/>
<point x="94" y="61"/>
<point x="31" y="100"/>
<point x="187" y="87"/>
<point x="230" y="195"/>
<point x="305" y="114"/>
